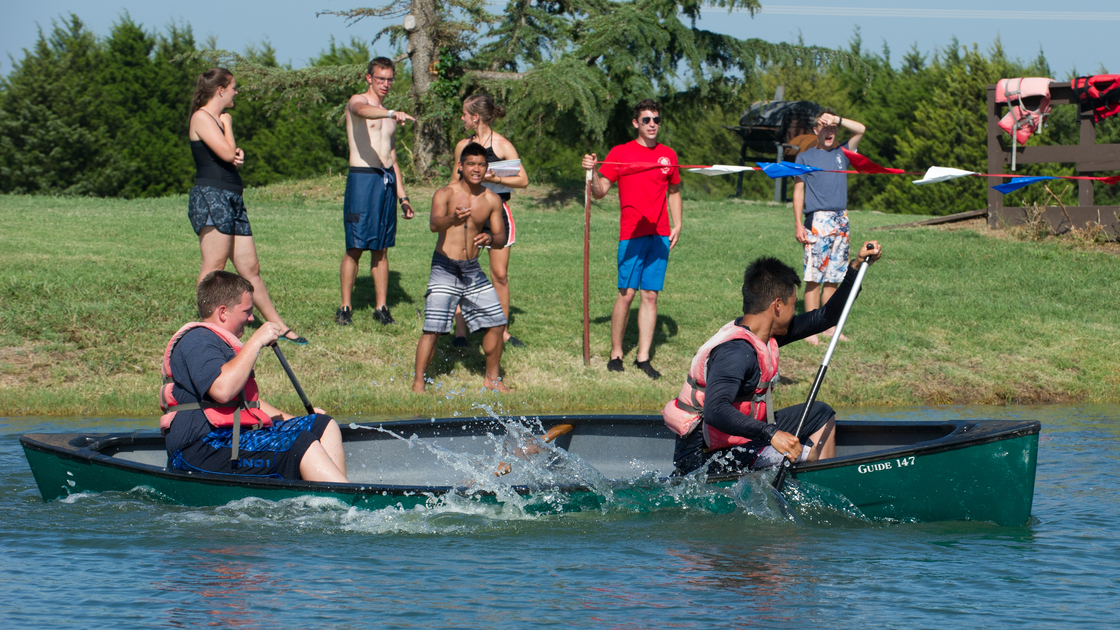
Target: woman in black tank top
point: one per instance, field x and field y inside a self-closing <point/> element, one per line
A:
<point x="479" y="114"/>
<point x="216" y="207"/>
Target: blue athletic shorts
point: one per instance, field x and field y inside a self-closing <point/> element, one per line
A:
<point x="369" y="212"/>
<point x="642" y="262"/>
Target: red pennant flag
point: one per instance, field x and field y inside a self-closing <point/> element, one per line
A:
<point x="1115" y="179"/>
<point x="864" y="165"/>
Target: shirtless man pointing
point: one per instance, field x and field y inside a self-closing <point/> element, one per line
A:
<point x="372" y="189"/>
<point x="459" y="212"/>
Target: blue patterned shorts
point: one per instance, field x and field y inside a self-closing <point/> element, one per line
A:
<point x="826" y="260"/>
<point x="223" y="209"/>
<point x="274" y="451"/>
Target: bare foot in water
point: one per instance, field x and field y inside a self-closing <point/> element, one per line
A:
<point x="497" y="386"/>
<point x="813" y="340"/>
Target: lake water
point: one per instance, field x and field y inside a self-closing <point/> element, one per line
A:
<point x="121" y="561"/>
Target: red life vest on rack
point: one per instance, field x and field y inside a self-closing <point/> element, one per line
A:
<point x="219" y="415"/>
<point x="1099" y="93"/>
<point x="1022" y="121"/>
<point x="685" y="412"/>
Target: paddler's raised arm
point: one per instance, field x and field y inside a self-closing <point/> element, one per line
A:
<point x="827" y="316"/>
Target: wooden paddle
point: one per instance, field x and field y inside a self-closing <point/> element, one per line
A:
<point x="780" y="479"/>
<point x="553" y="433"/>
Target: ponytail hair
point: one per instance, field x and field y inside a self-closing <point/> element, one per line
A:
<point x="207" y="85"/>
<point x="483" y="105"/>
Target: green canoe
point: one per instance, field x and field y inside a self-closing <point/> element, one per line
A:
<point x="980" y="470"/>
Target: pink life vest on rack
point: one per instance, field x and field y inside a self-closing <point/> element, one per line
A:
<point x="685" y="412"/>
<point x="1022" y="120"/>
<point x="219" y="415"/>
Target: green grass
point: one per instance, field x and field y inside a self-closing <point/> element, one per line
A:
<point x="90" y="290"/>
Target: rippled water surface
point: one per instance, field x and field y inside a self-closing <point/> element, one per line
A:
<point x="123" y="561"/>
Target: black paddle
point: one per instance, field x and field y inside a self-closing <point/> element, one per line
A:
<point x="780" y="479"/>
<point x="292" y="377"/>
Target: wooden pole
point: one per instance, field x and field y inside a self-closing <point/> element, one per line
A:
<point x="587" y="271"/>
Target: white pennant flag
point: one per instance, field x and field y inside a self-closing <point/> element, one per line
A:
<point x="721" y="169"/>
<point x="937" y="174"/>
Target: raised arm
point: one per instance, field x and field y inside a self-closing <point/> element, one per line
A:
<point x="600" y="185"/>
<point x="362" y="108"/>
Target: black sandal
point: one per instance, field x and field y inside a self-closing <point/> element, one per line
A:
<point x="299" y="341"/>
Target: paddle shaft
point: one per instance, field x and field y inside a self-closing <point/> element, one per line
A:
<point x="587" y="271"/>
<point x="293" y="379"/>
<point x="780" y="479"/>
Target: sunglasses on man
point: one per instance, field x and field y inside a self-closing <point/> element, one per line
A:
<point x="645" y="120"/>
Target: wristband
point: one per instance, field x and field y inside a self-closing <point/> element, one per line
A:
<point x="402" y="199"/>
<point x="391" y="112"/>
<point x="841" y="122"/>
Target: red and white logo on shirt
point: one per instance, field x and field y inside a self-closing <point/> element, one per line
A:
<point x="664" y="162"/>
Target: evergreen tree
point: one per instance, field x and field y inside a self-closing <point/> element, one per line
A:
<point x="53" y="137"/>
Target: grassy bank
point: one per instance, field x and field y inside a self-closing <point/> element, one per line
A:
<point x="90" y="290"/>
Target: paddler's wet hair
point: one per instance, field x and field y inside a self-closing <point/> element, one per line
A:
<point x="473" y="148"/>
<point x="765" y="280"/>
<point x="220" y="288"/>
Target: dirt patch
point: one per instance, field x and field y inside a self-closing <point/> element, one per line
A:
<point x="29" y="365"/>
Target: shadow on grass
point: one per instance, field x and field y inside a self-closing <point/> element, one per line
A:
<point x="469" y="358"/>
<point x="664" y="328"/>
<point x="364" y="296"/>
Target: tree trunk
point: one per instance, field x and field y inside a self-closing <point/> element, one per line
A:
<point x="429" y="139"/>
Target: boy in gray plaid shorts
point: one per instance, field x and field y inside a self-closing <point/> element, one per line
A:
<point x="459" y="212"/>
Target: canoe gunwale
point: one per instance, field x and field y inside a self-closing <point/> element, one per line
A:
<point x="86" y="448"/>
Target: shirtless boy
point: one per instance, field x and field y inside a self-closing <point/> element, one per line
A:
<point x="372" y="189"/>
<point x="459" y="213"/>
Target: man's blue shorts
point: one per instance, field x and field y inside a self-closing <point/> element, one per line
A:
<point x="642" y="262"/>
<point x="369" y="213"/>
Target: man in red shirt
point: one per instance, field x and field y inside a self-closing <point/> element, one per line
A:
<point x="649" y="193"/>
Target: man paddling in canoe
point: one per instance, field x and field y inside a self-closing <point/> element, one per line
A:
<point x="209" y="386"/>
<point x="460" y="211"/>
<point x="724" y="415"/>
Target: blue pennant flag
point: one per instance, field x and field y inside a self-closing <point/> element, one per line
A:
<point x="785" y="169"/>
<point x="1019" y="182"/>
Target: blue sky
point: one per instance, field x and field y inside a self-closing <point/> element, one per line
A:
<point x="1081" y="38"/>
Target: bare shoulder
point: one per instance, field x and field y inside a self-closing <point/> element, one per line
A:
<point x="504" y="148"/>
<point x="492" y="200"/>
<point x="358" y="100"/>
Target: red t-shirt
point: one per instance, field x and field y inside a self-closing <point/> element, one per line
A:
<point x="643" y="187"/>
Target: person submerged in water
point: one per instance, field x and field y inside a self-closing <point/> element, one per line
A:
<point x="209" y="387"/>
<point x="724" y="415"/>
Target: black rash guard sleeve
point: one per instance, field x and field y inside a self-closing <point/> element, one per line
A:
<point x="823" y="318"/>
<point x="733" y="372"/>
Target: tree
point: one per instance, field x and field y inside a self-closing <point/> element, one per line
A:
<point x="52" y="133"/>
<point x="564" y="67"/>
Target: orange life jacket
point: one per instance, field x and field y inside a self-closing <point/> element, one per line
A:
<point x="685" y="412"/>
<point x="220" y="415"/>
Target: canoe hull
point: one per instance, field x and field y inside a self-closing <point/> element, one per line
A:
<point x="960" y="470"/>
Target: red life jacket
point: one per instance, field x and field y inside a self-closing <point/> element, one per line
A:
<point x="685" y="412"/>
<point x="1099" y="93"/>
<point x="219" y="415"/>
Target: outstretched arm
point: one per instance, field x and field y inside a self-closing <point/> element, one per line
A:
<point x="600" y="185"/>
<point x="361" y="108"/>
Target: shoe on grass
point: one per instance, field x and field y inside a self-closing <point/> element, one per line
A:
<point x="459" y="342"/>
<point x="344" y="316"/>
<point x="515" y="342"/>
<point x="615" y="365"/>
<point x="382" y="315"/>
<point x="648" y="369"/>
